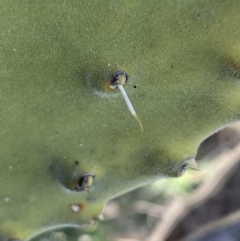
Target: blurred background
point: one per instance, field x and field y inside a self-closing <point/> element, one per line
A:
<point x="200" y="205"/>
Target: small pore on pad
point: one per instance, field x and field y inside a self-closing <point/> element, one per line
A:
<point x="85" y="182"/>
<point x="189" y="163"/>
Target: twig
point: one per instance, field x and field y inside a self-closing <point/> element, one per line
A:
<point x="220" y="169"/>
<point x="219" y="224"/>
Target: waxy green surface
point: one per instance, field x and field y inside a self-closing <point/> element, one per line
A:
<point x="56" y="57"/>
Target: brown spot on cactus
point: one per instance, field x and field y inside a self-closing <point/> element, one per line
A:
<point x="76" y="208"/>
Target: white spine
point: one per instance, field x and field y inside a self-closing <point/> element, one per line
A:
<point x="130" y="107"/>
<point x="128" y="102"/>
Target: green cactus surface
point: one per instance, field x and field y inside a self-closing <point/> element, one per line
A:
<point x="60" y="120"/>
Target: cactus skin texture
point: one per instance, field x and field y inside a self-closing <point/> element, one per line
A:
<point x="56" y="107"/>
